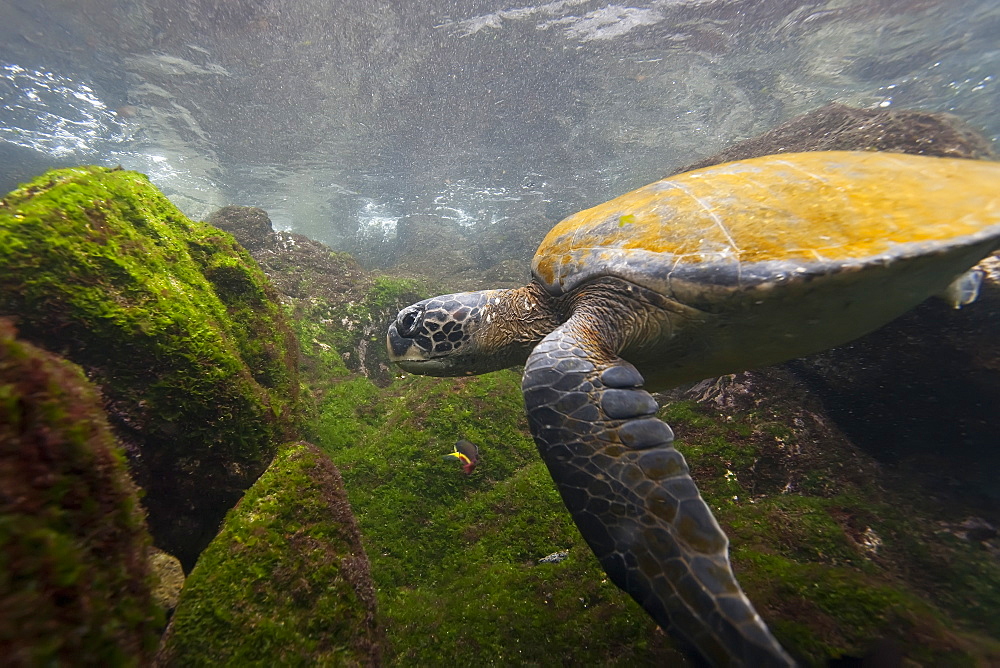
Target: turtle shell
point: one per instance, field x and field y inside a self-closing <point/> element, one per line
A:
<point x="776" y="220"/>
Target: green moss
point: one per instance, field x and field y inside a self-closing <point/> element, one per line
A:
<point x="285" y="582"/>
<point x="75" y="587"/>
<point x="685" y="413"/>
<point x="837" y="563"/>
<point x="833" y="560"/>
<point x="321" y="361"/>
<point x="386" y="292"/>
<point x="455" y="557"/>
<point x="99" y="251"/>
<point x="346" y="413"/>
<point x="499" y="613"/>
<point x="172" y="318"/>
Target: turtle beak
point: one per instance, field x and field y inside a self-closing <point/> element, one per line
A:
<point x="409" y="355"/>
<point x="402" y="341"/>
<point x="399" y="347"/>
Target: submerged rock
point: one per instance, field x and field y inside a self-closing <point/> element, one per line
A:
<point x="75" y="585"/>
<point x="249" y="224"/>
<point x="169" y="576"/>
<point x="175" y="323"/>
<point x="921" y="396"/>
<point x="286" y="581"/>
<point x="338" y="308"/>
<point x="837" y="127"/>
<point x="838" y="552"/>
<point x="555" y="557"/>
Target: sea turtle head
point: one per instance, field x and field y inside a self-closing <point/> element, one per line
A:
<point x="468" y="332"/>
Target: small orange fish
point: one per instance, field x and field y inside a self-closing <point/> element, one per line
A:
<point x="467" y="453"/>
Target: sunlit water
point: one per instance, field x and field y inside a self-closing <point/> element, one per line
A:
<point x="341" y="120"/>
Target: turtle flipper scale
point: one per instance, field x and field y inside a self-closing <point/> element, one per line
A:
<point x="631" y="496"/>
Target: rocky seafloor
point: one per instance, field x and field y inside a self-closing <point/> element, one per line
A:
<point x="222" y="392"/>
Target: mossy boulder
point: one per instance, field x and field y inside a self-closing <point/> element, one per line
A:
<point x="175" y="323"/>
<point x="75" y="585"/>
<point x="286" y="581"/>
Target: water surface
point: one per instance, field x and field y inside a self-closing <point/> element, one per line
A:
<point x="341" y="118"/>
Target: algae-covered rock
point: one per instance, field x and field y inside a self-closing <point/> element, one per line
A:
<point x="339" y="309"/>
<point x="172" y="319"/>
<point x="456" y="558"/>
<point x="249" y="224"/>
<point x="286" y="581"/>
<point x="839" y="555"/>
<point x="169" y="578"/>
<point x="75" y="586"/>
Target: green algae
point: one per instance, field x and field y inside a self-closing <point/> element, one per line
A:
<point x="75" y="586"/>
<point x="342" y="346"/>
<point x="455" y="557"/>
<point x="285" y="582"/>
<point x="388" y="292"/>
<point x="835" y="561"/>
<point x="172" y="319"/>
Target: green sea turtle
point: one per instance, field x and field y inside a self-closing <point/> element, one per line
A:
<point x="709" y="272"/>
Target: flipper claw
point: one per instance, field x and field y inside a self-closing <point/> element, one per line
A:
<point x="624" y="404"/>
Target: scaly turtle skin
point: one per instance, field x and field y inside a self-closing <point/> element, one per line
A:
<point x="710" y="272"/>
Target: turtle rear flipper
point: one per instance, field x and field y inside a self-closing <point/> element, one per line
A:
<point x="630" y="494"/>
<point x="965" y="289"/>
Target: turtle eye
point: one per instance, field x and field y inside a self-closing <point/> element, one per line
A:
<point x="409" y="319"/>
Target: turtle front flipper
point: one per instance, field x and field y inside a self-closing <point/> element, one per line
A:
<point x="632" y="498"/>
